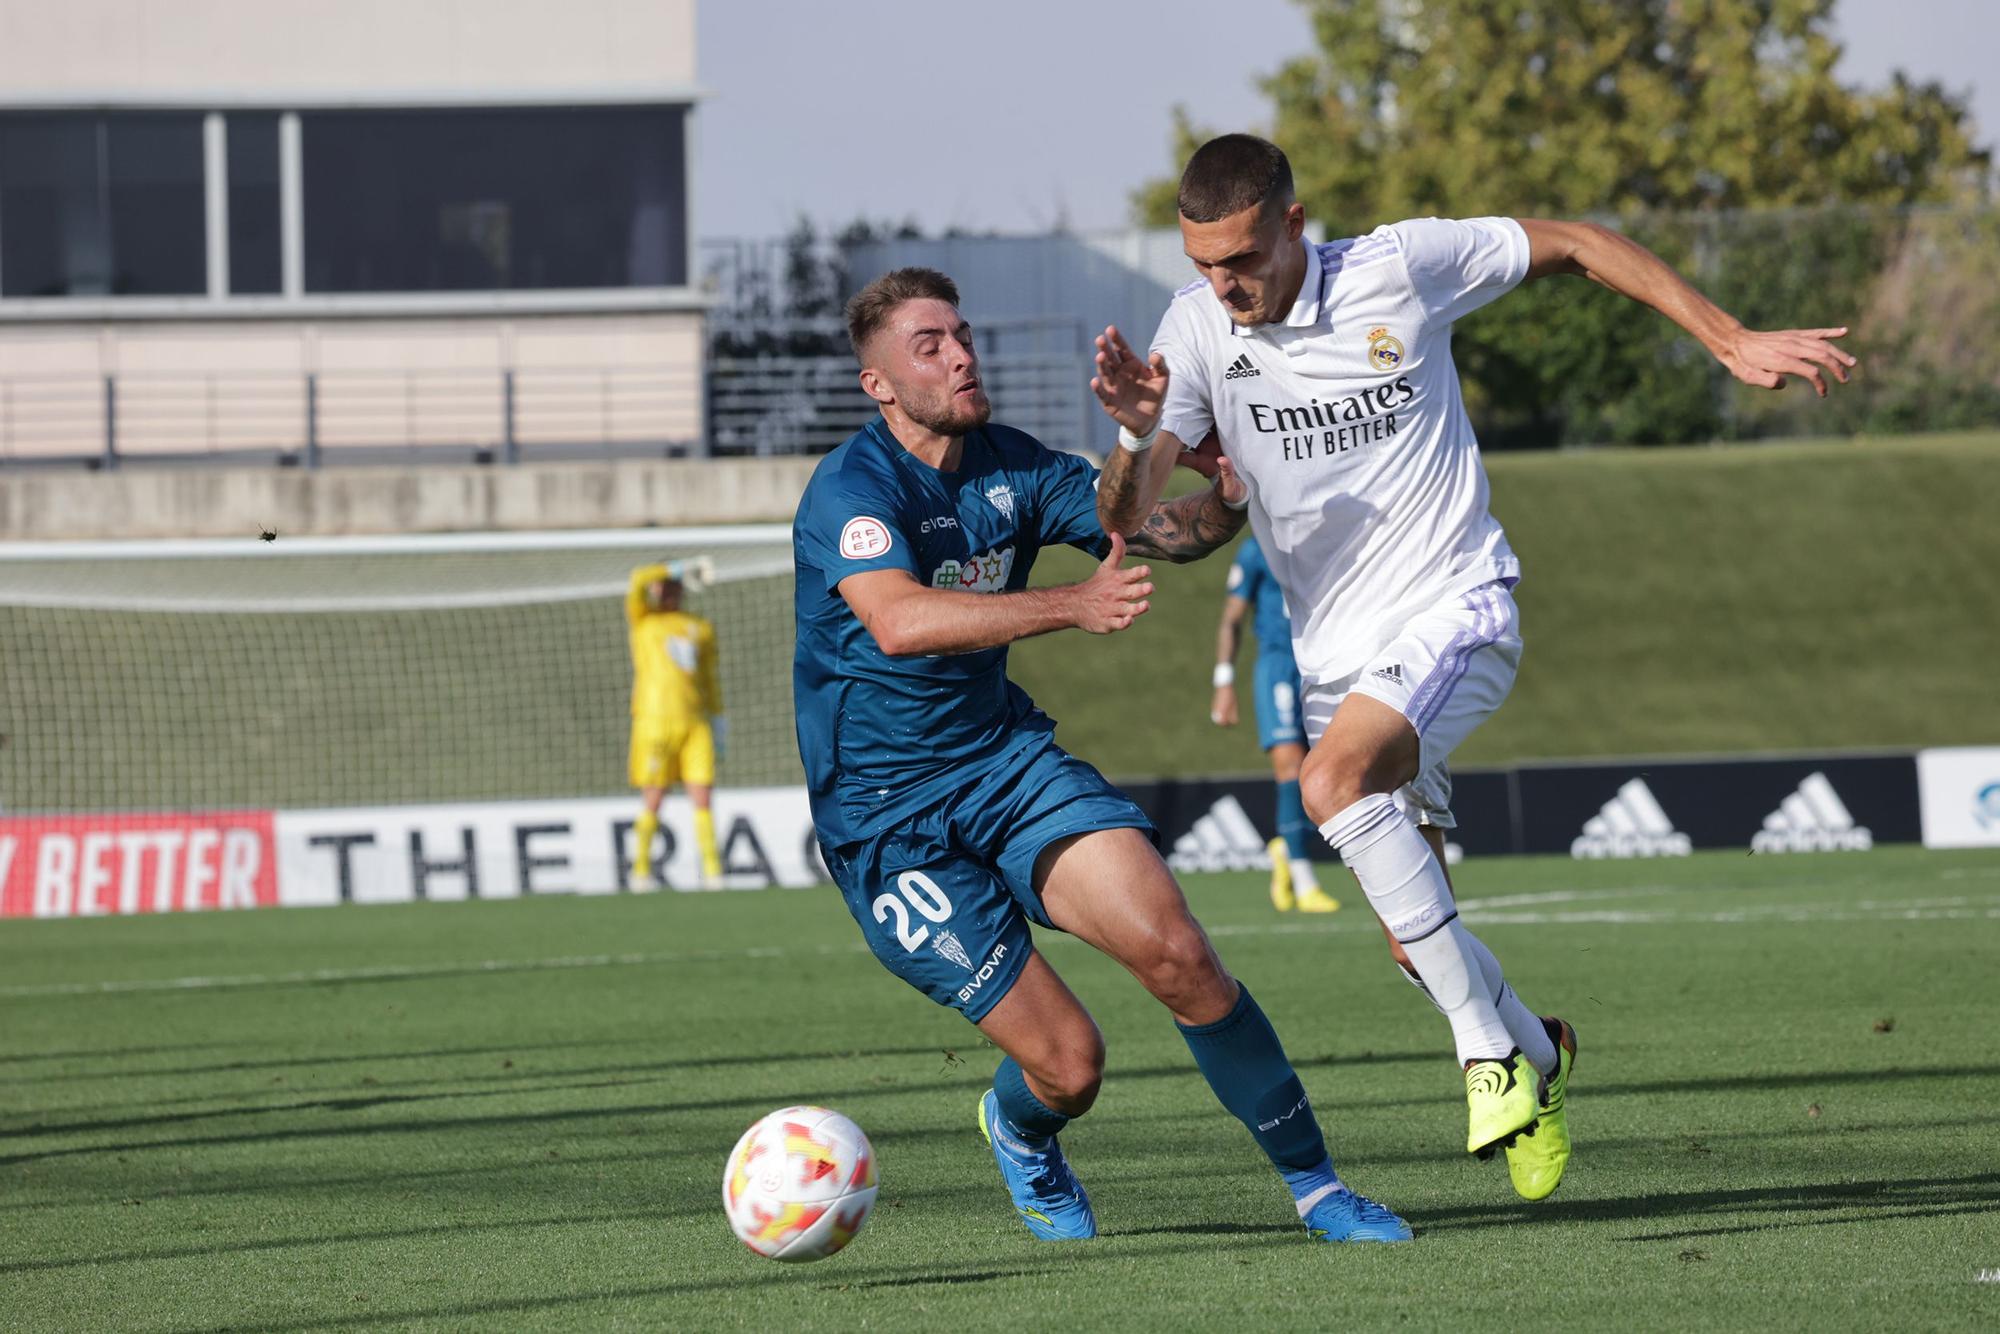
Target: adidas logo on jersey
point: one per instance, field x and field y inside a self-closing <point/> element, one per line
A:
<point x="1631" y="825"/>
<point x="1241" y="369"/>
<point x="1222" y="840"/>
<point x="1393" y="673"/>
<point x="1812" y="819"/>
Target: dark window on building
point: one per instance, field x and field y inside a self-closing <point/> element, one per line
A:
<point x="153" y="175"/>
<point x="254" y="241"/>
<point x="53" y="241"/>
<point x="458" y="200"/>
<point x="95" y="205"/>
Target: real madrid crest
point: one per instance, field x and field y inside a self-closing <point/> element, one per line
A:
<point x="1385" y="351"/>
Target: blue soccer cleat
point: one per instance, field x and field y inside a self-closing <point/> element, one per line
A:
<point x="1047" y="1194"/>
<point x="1346" y="1216"/>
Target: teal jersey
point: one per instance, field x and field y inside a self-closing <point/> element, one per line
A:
<point x="884" y="737"/>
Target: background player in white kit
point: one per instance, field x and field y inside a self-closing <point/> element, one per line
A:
<point x="1326" y="371"/>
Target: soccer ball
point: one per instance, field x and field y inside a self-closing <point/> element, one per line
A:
<point x="799" y="1184"/>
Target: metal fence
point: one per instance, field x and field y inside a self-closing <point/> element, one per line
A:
<point x="350" y="416"/>
<point x="769" y="387"/>
<point x="778" y="387"/>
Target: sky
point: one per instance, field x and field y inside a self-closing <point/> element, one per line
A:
<point x="1037" y="113"/>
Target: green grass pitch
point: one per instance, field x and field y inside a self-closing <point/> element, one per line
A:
<point x="514" y="1115"/>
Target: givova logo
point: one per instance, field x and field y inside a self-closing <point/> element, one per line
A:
<point x="1222" y="840"/>
<point x="1812" y="819"/>
<point x="1631" y="824"/>
<point x="984" y="975"/>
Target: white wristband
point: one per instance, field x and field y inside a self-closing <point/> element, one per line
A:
<point x="1238" y="505"/>
<point x="1225" y="675"/>
<point x="1138" y="444"/>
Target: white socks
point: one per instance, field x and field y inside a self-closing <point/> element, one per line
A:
<point x="1304" y="879"/>
<point x="1523" y="1025"/>
<point x="1407" y="888"/>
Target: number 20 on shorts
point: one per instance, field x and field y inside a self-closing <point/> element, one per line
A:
<point x="922" y="894"/>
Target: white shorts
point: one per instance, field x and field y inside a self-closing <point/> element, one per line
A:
<point x="1446" y="671"/>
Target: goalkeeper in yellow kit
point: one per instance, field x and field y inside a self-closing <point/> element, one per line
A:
<point x="677" y="722"/>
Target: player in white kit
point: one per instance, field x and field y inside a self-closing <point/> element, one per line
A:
<point x="1326" y="373"/>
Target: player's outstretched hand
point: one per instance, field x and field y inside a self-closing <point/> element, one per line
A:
<point x="1765" y="359"/>
<point x="1129" y="388"/>
<point x="1112" y="599"/>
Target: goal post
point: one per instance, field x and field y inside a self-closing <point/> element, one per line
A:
<point x="142" y="678"/>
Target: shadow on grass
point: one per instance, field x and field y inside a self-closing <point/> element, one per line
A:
<point x="759" y="1102"/>
<point x="391" y="1176"/>
<point x="330" y="1239"/>
<point x="1909" y="1197"/>
<point x="111" y="1053"/>
<point x="1828" y="1203"/>
<point x="448" y="1053"/>
<point x="1210" y="1230"/>
<point x="755" y="1103"/>
<point x="503" y="1165"/>
<point x="761" y="1276"/>
<point x="930" y="1280"/>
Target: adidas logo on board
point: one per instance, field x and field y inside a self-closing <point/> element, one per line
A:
<point x="1222" y="840"/>
<point x="1812" y="819"/>
<point x="1631" y="825"/>
<point x="1241" y="369"/>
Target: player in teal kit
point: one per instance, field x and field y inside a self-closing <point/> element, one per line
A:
<point x="1280" y="731"/>
<point x="948" y="815"/>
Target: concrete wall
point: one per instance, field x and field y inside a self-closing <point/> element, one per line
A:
<point x="304" y="51"/>
<point x="238" y="502"/>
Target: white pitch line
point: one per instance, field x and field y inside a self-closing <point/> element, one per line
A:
<point x="1475" y="910"/>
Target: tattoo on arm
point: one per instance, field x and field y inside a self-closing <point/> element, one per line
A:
<point x="1187" y="528"/>
<point x="1118" y="488"/>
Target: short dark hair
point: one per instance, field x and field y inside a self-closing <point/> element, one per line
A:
<point x="869" y="309"/>
<point x="1232" y="173"/>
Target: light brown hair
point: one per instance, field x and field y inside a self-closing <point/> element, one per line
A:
<point x="869" y="309"/>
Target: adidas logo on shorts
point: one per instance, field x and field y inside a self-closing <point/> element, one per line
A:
<point x="1241" y="369"/>
<point x="1812" y="819"/>
<point x="1631" y="825"/>
<point x="1222" y="840"/>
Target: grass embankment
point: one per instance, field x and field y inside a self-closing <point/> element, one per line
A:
<point x="1778" y="597"/>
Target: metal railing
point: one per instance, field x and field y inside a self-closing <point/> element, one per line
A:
<point x="773" y="387"/>
<point x="789" y="386"/>
<point x="323" y="417"/>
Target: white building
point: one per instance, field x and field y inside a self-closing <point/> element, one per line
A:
<point x="316" y="228"/>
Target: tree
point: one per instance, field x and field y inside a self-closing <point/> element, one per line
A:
<point x="1412" y="107"/>
<point x="1635" y="108"/>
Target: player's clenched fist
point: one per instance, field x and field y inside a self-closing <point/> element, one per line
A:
<point x="1112" y="599"/>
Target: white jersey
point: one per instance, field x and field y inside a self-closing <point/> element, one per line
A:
<point x="1346" y="421"/>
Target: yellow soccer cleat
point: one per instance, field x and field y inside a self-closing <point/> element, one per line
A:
<point x="1500" y="1098"/>
<point x="1535" y="1160"/>
<point x="1317" y="900"/>
<point x="1281" y="876"/>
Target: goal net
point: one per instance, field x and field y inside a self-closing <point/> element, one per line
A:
<point x="156" y="679"/>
